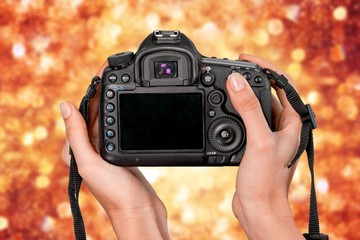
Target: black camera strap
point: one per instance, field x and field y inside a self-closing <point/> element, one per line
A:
<point x="306" y="143"/>
<point x="74" y="177"/>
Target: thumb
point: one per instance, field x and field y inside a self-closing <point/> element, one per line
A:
<point x="77" y="135"/>
<point x="247" y="105"/>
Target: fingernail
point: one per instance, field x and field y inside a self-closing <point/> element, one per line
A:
<point x="65" y="110"/>
<point x="236" y="82"/>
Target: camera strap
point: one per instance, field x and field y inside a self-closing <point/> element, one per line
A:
<point x="74" y="177"/>
<point x="306" y="143"/>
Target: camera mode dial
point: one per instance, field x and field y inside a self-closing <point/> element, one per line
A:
<point x="120" y="59"/>
<point x="226" y="134"/>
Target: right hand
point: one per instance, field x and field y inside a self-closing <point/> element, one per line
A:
<point x="262" y="185"/>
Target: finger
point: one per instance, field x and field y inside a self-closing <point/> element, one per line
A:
<point x="265" y="64"/>
<point x="276" y="110"/>
<point x="248" y="106"/>
<point x="290" y="122"/>
<point x="77" y="135"/>
<point x="65" y="153"/>
<point x="94" y="107"/>
<point x="101" y="70"/>
<point x="281" y="96"/>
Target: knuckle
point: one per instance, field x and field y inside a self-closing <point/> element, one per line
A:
<point x="73" y="130"/>
<point x="83" y="170"/>
<point x="266" y="144"/>
<point x="70" y="131"/>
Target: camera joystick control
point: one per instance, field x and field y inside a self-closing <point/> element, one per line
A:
<point x="121" y="59"/>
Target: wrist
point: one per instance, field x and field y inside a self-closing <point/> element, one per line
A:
<point x="137" y="223"/>
<point x="266" y="218"/>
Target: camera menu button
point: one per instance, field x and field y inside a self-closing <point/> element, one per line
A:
<point x="112" y="78"/>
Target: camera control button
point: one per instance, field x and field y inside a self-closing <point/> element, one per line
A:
<point x="211" y="113"/>
<point x="110" y="147"/>
<point x="110" y="107"/>
<point x="258" y="79"/>
<point x="212" y="159"/>
<point x="226" y="136"/>
<point x="208" y="79"/>
<point x="112" y="78"/>
<point x="110" y="120"/>
<point x="125" y="78"/>
<point x="110" y="133"/>
<point x="220" y="159"/>
<point x="247" y="76"/>
<point x="110" y="94"/>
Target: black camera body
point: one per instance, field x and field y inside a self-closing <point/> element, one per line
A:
<point x="167" y="105"/>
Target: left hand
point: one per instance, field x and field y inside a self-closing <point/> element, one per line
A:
<point x="134" y="209"/>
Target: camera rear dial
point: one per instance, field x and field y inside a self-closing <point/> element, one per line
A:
<point x="226" y="134"/>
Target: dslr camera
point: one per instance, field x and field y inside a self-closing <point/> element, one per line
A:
<point x="167" y="105"/>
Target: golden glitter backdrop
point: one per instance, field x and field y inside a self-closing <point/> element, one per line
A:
<point x="50" y="49"/>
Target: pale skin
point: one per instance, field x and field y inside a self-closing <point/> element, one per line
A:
<point x="260" y="202"/>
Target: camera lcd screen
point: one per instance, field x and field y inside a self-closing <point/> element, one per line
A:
<point x="161" y="121"/>
<point x="166" y="70"/>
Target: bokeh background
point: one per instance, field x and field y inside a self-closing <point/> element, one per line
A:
<point x="49" y="51"/>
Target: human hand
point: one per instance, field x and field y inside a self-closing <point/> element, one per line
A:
<point x="261" y="199"/>
<point x="133" y="207"/>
